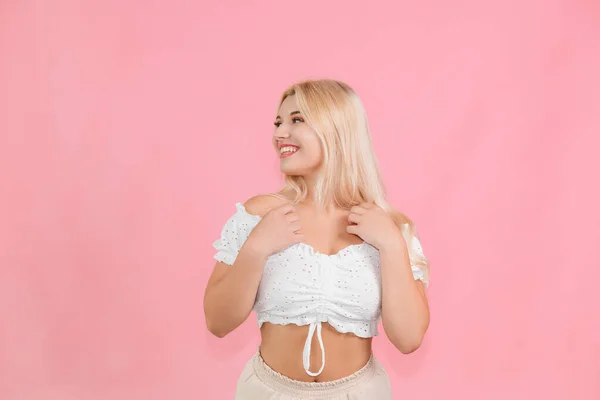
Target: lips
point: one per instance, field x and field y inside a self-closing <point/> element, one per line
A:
<point x="286" y="150"/>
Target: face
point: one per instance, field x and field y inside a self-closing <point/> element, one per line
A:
<point x="296" y="143"/>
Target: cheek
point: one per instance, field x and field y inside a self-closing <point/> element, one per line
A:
<point x="316" y="152"/>
<point x="312" y="145"/>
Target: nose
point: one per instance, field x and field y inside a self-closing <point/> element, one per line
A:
<point x="282" y="132"/>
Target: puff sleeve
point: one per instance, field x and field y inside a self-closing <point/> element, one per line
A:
<point x="233" y="235"/>
<point x="418" y="261"/>
<point x="420" y="271"/>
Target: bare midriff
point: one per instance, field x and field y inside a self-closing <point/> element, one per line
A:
<point x="282" y="345"/>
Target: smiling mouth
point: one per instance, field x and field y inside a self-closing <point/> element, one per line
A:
<point x="286" y="151"/>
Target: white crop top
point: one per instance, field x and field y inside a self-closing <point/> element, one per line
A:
<point x="301" y="286"/>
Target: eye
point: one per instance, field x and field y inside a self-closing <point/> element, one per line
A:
<point x="294" y="120"/>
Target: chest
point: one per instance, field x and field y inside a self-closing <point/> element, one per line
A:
<point x="327" y="235"/>
<point x="300" y="274"/>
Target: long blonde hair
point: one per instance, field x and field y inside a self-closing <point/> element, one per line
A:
<point x="350" y="172"/>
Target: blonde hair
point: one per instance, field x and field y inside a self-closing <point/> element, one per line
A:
<point x="350" y="172"/>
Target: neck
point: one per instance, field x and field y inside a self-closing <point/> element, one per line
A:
<point x="311" y="202"/>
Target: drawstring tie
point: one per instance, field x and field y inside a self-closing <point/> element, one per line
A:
<point x="306" y="353"/>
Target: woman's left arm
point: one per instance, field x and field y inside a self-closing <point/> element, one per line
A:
<point x="404" y="305"/>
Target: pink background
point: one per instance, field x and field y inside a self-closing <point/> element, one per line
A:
<point x="128" y="130"/>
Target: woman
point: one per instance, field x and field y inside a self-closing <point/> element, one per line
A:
<point x="324" y="257"/>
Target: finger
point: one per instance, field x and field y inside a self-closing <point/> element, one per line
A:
<point x="286" y="208"/>
<point x="353" y="229"/>
<point x="354" y="218"/>
<point x="367" y="205"/>
<point x="298" y="237"/>
<point x="358" y="210"/>
<point x="292" y="217"/>
<point x="295" y="226"/>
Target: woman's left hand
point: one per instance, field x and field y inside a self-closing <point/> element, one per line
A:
<point x="374" y="225"/>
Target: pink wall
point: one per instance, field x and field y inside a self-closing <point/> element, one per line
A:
<point x="128" y="130"/>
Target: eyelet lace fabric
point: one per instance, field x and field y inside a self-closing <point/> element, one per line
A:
<point x="301" y="286"/>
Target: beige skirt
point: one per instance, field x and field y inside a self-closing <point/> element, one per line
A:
<point x="259" y="382"/>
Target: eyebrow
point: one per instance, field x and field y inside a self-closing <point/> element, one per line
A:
<point x="292" y="113"/>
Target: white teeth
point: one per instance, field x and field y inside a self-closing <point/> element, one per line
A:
<point x="287" y="149"/>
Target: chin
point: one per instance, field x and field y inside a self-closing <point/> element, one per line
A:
<point x="297" y="170"/>
<point x="290" y="171"/>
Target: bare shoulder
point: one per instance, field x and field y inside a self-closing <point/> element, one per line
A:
<point x="263" y="203"/>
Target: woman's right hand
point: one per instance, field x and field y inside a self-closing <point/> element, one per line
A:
<point x="277" y="230"/>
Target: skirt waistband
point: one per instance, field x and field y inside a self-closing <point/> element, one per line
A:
<point x="284" y="385"/>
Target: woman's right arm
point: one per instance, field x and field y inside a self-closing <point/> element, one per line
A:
<point x="231" y="290"/>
